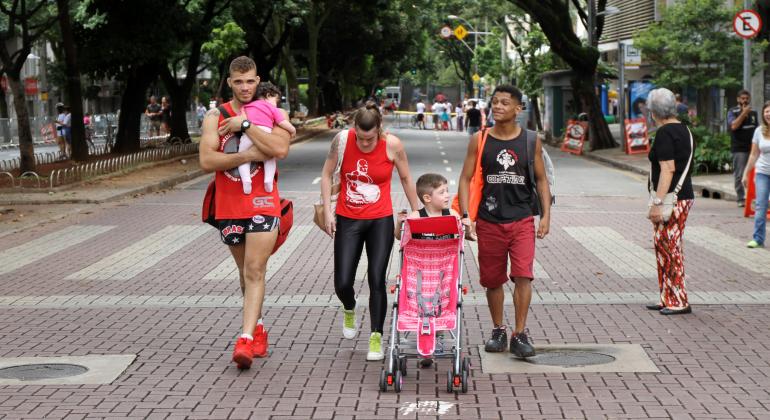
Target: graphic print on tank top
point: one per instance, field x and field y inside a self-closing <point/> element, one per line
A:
<point x="361" y="187"/>
<point x="506" y="188"/>
<point x="229" y="144"/>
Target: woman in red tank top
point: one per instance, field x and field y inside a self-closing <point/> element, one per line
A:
<point x="364" y="215"/>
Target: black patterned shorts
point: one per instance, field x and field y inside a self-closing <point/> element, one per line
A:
<point x="233" y="231"/>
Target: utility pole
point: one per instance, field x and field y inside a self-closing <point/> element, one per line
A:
<point x="747" y="56"/>
<point x="621" y="93"/>
<point x="591" y="20"/>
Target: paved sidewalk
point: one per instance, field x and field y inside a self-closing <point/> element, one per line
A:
<point x="713" y="186"/>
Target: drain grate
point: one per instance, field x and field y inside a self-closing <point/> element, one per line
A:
<point x="35" y="372"/>
<point x="569" y="358"/>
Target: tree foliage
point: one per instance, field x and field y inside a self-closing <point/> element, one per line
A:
<point x="694" y="45"/>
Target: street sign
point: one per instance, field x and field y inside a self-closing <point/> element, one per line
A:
<point x="475" y="77"/>
<point x="747" y="24"/>
<point x="461" y="32"/>
<point x="446" y="32"/>
<point x="632" y="57"/>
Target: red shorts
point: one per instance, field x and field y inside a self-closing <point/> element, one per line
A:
<point x="497" y="243"/>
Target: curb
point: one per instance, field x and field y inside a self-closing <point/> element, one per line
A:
<point x="700" y="189"/>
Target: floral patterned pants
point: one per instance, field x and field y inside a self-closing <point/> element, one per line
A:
<point x="670" y="256"/>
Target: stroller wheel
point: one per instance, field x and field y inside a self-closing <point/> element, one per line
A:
<point x="449" y="381"/>
<point x="464" y="381"/>
<point x="398" y="381"/>
<point x="466" y="364"/>
<point x="402" y="366"/>
<point x="425" y="363"/>
<point x="383" y="381"/>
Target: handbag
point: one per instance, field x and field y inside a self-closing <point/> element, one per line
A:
<point x="318" y="216"/>
<point x="285" y="224"/>
<point x="670" y="200"/>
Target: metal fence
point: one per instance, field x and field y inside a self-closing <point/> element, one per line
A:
<point x="104" y="126"/>
<point x="89" y="170"/>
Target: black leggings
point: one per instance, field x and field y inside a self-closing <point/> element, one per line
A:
<point x="349" y="242"/>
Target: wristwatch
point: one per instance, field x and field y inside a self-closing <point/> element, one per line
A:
<point x="245" y="125"/>
<point x="657" y="201"/>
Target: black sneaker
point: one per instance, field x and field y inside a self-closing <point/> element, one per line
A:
<point x="498" y="342"/>
<point x="521" y="345"/>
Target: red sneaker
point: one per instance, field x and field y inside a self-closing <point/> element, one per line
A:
<point x="243" y="353"/>
<point x="260" y="341"/>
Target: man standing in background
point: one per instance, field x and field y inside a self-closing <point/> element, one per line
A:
<point x="742" y="121"/>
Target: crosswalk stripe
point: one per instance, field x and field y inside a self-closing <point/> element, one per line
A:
<point x="538" y="270"/>
<point x="227" y="270"/>
<point x="730" y="248"/>
<point x="624" y="257"/>
<point x="132" y="260"/>
<point x="44" y="246"/>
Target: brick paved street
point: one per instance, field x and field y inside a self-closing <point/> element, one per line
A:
<point x="143" y="276"/>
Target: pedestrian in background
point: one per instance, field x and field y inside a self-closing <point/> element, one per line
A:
<point x="473" y="118"/>
<point x="420" y="114"/>
<point x="67" y="123"/>
<point x="165" y="116"/>
<point x="742" y="121"/>
<point x="670" y="158"/>
<point x="153" y="113"/>
<point x="681" y="108"/>
<point x="760" y="160"/>
<point x="60" y="134"/>
<point x="459" y="111"/>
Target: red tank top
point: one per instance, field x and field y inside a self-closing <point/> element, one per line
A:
<point x="365" y="181"/>
<point x="231" y="202"/>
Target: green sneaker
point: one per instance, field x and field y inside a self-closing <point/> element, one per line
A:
<point x="349" y="327"/>
<point x="375" y="347"/>
<point x="754" y="244"/>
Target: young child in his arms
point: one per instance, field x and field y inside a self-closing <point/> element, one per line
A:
<point x="263" y="113"/>
<point x="433" y="191"/>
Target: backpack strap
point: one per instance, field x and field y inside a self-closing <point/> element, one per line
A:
<point x="224" y="112"/>
<point x="531" y="151"/>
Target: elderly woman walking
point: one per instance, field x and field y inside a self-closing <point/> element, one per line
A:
<point x="671" y="197"/>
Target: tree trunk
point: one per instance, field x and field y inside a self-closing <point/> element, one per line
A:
<point x="291" y="80"/>
<point x="5" y="123"/>
<point x="312" y="70"/>
<point x="220" y="93"/>
<point x="74" y="91"/>
<point x="132" y="105"/>
<point x="536" y="111"/>
<point x="584" y="90"/>
<point x="702" y="105"/>
<point x="26" y="147"/>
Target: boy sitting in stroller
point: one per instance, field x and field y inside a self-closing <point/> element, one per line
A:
<point x="433" y="191"/>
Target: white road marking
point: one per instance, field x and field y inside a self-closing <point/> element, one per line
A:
<point x="446" y="162"/>
<point x="44" y="246"/>
<point x="624" y="257"/>
<point x="227" y="270"/>
<point x="730" y="248"/>
<point x="448" y="169"/>
<point x="452" y="182"/>
<point x="443" y="153"/>
<point x="132" y="260"/>
<point x="317" y="180"/>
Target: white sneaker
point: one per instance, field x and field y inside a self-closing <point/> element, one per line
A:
<point x="349" y="326"/>
<point x="375" y="347"/>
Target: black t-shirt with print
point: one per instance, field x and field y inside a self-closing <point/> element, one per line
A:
<point x="672" y="142"/>
<point x="153" y="109"/>
<point x="506" y="196"/>
<point x="741" y="138"/>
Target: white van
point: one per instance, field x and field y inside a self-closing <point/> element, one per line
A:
<point x="391" y="94"/>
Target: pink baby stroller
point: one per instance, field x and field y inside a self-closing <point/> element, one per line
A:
<point x="428" y="301"/>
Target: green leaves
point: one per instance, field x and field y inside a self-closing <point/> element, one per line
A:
<point x="694" y="45"/>
<point x="225" y="41"/>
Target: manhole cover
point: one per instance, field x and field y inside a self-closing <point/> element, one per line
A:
<point x="566" y="358"/>
<point x="41" y="371"/>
